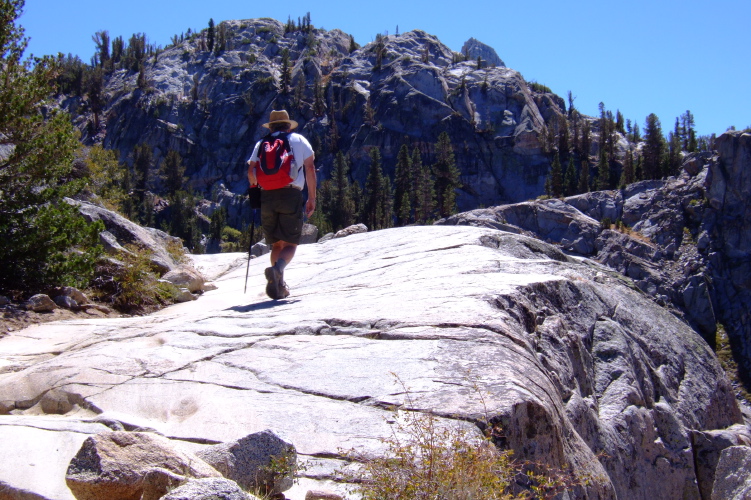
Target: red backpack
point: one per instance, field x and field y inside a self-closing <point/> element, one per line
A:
<point x="276" y="161"/>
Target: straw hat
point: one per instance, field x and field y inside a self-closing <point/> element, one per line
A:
<point x="280" y="117"/>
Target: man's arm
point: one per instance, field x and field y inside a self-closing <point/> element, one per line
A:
<point x="310" y="180"/>
<point x="252" y="172"/>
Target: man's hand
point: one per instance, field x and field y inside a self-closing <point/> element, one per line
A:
<point x="310" y="207"/>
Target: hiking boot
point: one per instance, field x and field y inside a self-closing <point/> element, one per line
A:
<point x="283" y="290"/>
<point x="274" y="280"/>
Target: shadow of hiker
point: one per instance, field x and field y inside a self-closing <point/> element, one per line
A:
<point x="269" y="304"/>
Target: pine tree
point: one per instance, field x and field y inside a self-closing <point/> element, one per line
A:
<point x="403" y="185"/>
<point x="555" y="178"/>
<point x="44" y="241"/>
<point x="172" y="172"/>
<point x="446" y="176"/>
<point x="424" y="189"/>
<point x="286" y="73"/>
<point x="628" y="175"/>
<point x="603" y="171"/>
<point x="654" y="149"/>
<point x="675" y="156"/>
<point x="570" y="179"/>
<point x="584" y="177"/>
<point x="378" y="201"/>
<point x="210" y="35"/>
<point x="342" y="212"/>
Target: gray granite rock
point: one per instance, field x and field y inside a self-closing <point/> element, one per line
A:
<point x="209" y="489"/>
<point x="260" y="461"/>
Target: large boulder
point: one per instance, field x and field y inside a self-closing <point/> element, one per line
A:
<point x="115" y="464"/>
<point x="260" y="461"/>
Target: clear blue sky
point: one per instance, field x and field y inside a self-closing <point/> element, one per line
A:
<point x="639" y="57"/>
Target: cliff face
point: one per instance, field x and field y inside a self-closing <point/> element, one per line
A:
<point x="688" y="240"/>
<point x="399" y="89"/>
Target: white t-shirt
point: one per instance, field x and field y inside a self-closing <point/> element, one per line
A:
<point x="301" y="150"/>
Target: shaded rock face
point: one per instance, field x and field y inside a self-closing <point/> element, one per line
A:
<point x="689" y="244"/>
<point x="579" y="367"/>
<point x="210" y="107"/>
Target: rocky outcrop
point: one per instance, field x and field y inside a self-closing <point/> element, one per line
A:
<point x="580" y="368"/>
<point x="406" y="88"/>
<point x="683" y="240"/>
<point x="209" y="489"/>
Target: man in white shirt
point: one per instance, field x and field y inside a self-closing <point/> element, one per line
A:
<point x="282" y="207"/>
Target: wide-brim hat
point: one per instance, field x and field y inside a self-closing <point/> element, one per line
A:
<point x="280" y="116"/>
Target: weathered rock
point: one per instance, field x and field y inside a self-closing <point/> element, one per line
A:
<point x="260" y="461"/>
<point x="733" y="475"/>
<point x="127" y="232"/>
<point x="186" y="277"/>
<point x="66" y="302"/>
<point x="473" y="49"/>
<point x="309" y="234"/>
<point x="209" y="489"/>
<point x="580" y="368"/>
<point x="322" y="495"/>
<point x="40" y="303"/>
<point x="184" y="295"/>
<point x="349" y="231"/>
<point x="708" y="447"/>
<point x="4" y="301"/>
<point x="114" y="465"/>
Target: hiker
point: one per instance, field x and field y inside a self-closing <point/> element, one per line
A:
<point x="281" y="164"/>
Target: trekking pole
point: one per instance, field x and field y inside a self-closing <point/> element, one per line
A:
<point x="250" y="248"/>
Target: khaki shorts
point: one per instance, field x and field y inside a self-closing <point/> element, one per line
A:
<point x="281" y="215"/>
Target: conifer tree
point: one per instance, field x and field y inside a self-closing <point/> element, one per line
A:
<point x="628" y="174"/>
<point x="343" y="210"/>
<point x="584" y="177"/>
<point x="654" y="148"/>
<point x="286" y="72"/>
<point x="446" y="176"/>
<point x="403" y="185"/>
<point x="675" y="157"/>
<point x="210" y="36"/>
<point x="173" y="172"/>
<point x="555" y="178"/>
<point x="570" y="180"/>
<point x="424" y="189"/>
<point x="377" y="194"/>
<point x="44" y="241"/>
<point x="603" y="171"/>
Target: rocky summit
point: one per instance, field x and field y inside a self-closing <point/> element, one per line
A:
<point x="209" y="106"/>
<point x="581" y="369"/>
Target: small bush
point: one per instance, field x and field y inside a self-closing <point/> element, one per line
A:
<point x="606" y="223"/>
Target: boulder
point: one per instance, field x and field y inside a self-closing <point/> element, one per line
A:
<point x="733" y="474"/>
<point x="708" y="447"/>
<point x="186" y="277"/>
<point x="40" y="303"/>
<point x="66" y="302"/>
<point x="322" y="495"/>
<point x="156" y="242"/>
<point x="4" y="301"/>
<point x="260" y="461"/>
<point x="209" y="489"/>
<point x="114" y="465"/>
<point x="349" y="231"/>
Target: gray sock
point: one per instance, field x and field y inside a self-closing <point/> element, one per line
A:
<point x="280" y="265"/>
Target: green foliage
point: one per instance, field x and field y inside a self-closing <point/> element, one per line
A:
<point x="107" y="177"/>
<point x="603" y="171"/>
<point x="230" y="239"/>
<point x="554" y="183"/>
<point x="183" y="221"/>
<point x="403" y="187"/>
<point x="425" y="201"/>
<point x="135" y="286"/>
<point x="540" y="88"/>
<point x="570" y="179"/>
<point x="446" y="176"/>
<point x="378" y="195"/>
<point x="342" y="211"/>
<point x="172" y="172"/>
<point x="43" y="240"/>
<point x="654" y="148"/>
